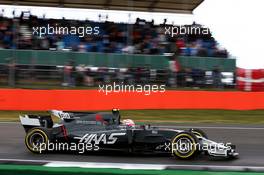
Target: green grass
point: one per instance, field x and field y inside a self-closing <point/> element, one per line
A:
<point x="13" y="116"/>
<point x="172" y="116"/>
<point x="41" y="170"/>
<point x="197" y="116"/>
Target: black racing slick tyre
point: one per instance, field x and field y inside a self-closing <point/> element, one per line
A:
<point x="36" y="140"/>
<point x="199" y="132"/>
<point x="184" y="145"/>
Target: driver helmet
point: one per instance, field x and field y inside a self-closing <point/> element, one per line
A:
<point x="128" y="122"/>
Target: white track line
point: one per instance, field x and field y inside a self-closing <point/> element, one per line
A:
<point x="107" y="165"/>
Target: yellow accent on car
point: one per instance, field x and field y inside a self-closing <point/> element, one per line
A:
<point x="30" y="134"/>
<point x="193" y="142"/>
<point x="197" y="133"/>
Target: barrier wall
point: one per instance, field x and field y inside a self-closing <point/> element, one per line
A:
<point x="19" y="99"/>
<point x="113" y="60"/>
<point x="55" y="58"/>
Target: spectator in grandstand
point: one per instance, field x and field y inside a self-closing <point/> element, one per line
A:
<point x="82" y="47"/>
<point x="217" y="78"/>
<point x="180" y="45"/>
<point x="12" y="73"/>
<point x="69" y="74"/>
<point x="141" y="38"/>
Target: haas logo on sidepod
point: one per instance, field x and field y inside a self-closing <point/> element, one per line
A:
<point x="100" y="138"/>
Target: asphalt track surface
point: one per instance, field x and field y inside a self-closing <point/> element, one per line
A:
<point x="248" y="139"/>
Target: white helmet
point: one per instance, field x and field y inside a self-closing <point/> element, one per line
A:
<point x="128" y="122"/>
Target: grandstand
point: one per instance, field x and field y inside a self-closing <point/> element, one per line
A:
<point x="139" y="52"/>
<point x="169" y="6"/>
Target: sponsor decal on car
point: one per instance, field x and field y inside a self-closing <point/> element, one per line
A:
<point x="100" y="138"/>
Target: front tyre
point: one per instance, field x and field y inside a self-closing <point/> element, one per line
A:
<point x="37" y="139"/>
<point x="199" y="132"/>
<point x="184" y="145"/>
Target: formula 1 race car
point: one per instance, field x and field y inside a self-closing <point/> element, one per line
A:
<point x="84" y="131"/>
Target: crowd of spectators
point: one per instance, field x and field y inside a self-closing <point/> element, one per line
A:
<point x="142" y="37"/>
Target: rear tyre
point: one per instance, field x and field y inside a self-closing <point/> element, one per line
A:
<point x="37" y="139"/>
<point x="184" y="145"/>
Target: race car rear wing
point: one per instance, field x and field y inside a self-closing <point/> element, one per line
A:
<point x="71" y="115"/>
<point x="31" y="121"/>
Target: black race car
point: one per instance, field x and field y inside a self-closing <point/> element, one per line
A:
<point x="84" y="131"/>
